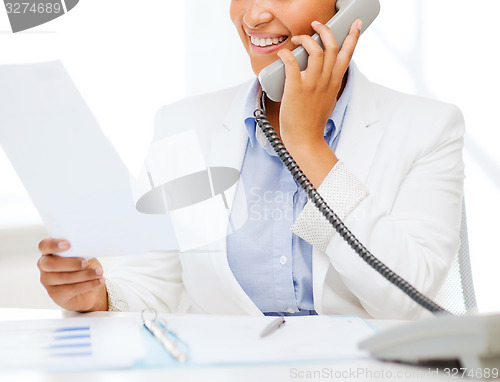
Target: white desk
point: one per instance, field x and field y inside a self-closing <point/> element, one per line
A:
<point x="346" y="371"/>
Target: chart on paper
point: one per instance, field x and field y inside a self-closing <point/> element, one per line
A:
<point x="75" y="343"/>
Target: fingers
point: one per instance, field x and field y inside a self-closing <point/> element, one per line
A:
<point x="64" y="278"/>
<point x="292" y="70"/>
<point x="314" y="50"/>
<point x="53" y="263"/>
<point x="74" y="283"/>
<point x="61" y="294"/>
<point x="323" y="63"/>
<point x="58" y="270"/>
<point x="51" y="246"/>
<point x="345" y="54"/>
<point x="330" y="45"/>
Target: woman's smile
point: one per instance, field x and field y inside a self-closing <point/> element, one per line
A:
<point x="266" y="43"/>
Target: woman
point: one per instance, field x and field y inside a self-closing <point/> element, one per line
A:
<point x="397" y="185"/>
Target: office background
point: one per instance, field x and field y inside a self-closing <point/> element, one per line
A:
<point x="128" y="58"/>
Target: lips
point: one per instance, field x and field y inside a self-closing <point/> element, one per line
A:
<point x="262" y="42"/>
<point x="266" y="43"/>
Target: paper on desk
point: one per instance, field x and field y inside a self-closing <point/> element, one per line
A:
<point x="71" y="344"/>
<point x="72" y="173"/>
<point x="236" y="339"/>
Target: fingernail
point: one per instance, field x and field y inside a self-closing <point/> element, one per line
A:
<point x="315" y="23"/>
<point x="360" y="24"/>
<point x="63" y="245"/>
<point x="85" y="262"/>
<point x="99" y="272"/>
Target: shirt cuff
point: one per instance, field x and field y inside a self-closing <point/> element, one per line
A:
<point x="343" y="192"/>
<point x="115" y="303"/>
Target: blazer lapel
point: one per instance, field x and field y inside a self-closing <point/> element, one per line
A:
<point x="229" y="140"/>
<point x="358" y="144"/>
<point x="361" y="131"/>
<point x="227" y="148"/>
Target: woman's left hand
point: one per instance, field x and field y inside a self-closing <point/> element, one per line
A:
<point x="310" y="96"/>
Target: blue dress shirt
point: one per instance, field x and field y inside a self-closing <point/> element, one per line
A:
<point x="273" y="265"/>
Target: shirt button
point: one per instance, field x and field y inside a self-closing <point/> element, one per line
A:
<point x="283" y="260"/>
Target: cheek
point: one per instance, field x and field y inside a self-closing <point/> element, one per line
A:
<point x="301" y="21"/>
<point x="235" y="13"/>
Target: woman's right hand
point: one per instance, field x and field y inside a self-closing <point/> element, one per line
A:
<point x="74" y="283"/>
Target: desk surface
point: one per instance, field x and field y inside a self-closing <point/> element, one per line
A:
<point x="352" y="370"/>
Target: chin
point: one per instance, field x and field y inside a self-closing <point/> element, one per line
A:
<point x="257" y="68"/>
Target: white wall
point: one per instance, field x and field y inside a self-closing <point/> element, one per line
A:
<point x="128" y="60"/>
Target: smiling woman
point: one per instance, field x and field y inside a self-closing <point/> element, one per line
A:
<point x="348" y="135"/>
<point x="383" y="53"/>
<point x="415" y="47"/>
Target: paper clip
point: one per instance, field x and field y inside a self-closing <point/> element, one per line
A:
<point x="167" y="338"/>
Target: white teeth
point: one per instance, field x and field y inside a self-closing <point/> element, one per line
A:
<point x="267" y="41"/>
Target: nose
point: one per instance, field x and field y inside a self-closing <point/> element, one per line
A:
<point x="257" y="13"/>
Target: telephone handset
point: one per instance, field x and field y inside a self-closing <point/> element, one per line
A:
<point x="272" y="78"/>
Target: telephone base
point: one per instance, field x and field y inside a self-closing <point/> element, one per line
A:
<point x="473" y="340"/>
<point x="480" y="362"/>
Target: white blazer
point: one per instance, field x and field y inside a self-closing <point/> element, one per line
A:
<point x="398" y="187"/>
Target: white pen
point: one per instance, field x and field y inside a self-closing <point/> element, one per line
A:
<point x="273" y="326"/>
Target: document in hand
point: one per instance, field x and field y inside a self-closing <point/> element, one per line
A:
<point x="73" y="175"/>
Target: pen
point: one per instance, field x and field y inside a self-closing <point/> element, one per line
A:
<point x="273" y="326"/>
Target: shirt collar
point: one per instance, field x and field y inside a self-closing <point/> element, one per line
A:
<point x="253" y="101"/>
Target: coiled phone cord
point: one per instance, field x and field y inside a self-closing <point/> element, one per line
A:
<point x="344" y="232"/>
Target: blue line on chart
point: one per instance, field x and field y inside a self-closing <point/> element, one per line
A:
<point x="72" y="337"/>
<point x="71" y="329"/>
<point x="62" y="346"/>
<point x="83" y="354"/>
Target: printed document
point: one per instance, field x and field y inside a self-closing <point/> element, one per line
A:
<point x="72" y="173"/>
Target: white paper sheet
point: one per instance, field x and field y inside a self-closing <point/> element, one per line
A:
<point x="236" y="340"/>
<point x="71" y="172"/>
<point x="71" y="344"/>
<point x="93" y="343"/>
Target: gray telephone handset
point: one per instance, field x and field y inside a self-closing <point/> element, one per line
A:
<point x="272" y="78"/>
